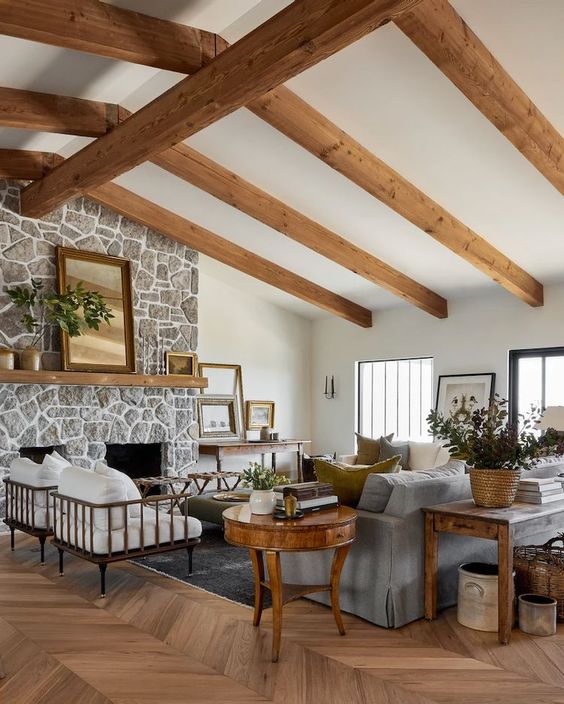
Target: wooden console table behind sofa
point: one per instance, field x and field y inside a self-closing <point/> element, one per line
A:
<point x="237" y="448"/>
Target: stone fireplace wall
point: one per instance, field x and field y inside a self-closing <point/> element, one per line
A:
<point x="165" y="288"/>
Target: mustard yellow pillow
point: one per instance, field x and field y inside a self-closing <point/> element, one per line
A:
<point x="368" y="449"/>
<point x="348" y="481"/>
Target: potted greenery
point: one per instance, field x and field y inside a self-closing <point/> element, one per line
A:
<point x="495" y="450"/>
<point x="261" y="480"/>
<point x="71" y="311"/>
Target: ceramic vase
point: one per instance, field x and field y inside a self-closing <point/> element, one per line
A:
<point x="30" y="359"/>
<point x="7" y="359"/>
<point x="262" y="501"/>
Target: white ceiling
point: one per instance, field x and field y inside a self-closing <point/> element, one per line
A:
<point x="389" y="96"/>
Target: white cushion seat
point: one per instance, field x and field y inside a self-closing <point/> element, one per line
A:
<point x="107" y="486"/>
<point x="100" y="544"/>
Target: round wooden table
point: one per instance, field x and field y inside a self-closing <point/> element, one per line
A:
<point x="321" y="530"/>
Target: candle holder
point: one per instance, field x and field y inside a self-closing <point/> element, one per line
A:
<point x="329" y="392"/>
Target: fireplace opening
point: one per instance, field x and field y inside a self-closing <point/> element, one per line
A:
<point x="136" y="460"/>
<point x="37" y="454"/>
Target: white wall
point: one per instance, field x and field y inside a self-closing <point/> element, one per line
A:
<point x="476" y="337"/>
<point x="273" y="347"/>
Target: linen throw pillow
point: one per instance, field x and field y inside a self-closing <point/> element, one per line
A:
<point x="368" y="449"/>
<point x="423" y="455"/>
<point x="348" y="481"/>
<point x="131" y="489"/>
<point x="391" y="449"/>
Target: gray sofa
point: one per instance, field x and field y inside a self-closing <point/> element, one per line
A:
<point x="382" y="580"/>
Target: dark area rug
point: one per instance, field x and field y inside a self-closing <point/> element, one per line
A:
<point x="218" y="567"/>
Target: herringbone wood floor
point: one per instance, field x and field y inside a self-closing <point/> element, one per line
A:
<point x="154" y="641"/>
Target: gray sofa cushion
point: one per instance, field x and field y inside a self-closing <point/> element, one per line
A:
<point x="411" y="498"/>
<point x="378" y="487"/>
<point x="391" y="449"/>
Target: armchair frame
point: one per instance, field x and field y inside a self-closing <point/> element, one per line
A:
<point x="21" y="501"/>
<point x="69" y="542"/>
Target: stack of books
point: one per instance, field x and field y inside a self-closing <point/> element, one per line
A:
<point x="540" y="491"/>
<point x="311" y="496"/>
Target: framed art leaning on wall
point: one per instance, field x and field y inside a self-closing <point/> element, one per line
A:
<point x="459" y="395"/>
<point x="112" y="347"/>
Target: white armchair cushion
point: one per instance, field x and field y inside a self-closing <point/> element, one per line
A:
<point x="132" y="491"/>
<point x="25" y="471"/>
<point x="85" y="485"/>
<point x="101" y="538"/>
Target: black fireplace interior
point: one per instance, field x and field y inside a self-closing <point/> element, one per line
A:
<point x="135" y="460"/>
<point x="36" y="454"/>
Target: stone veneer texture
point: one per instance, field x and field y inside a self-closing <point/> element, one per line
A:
<point x="165" y="288"/>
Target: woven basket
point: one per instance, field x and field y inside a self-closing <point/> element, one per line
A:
<point x="494" y="488"/>
<point x="540" y="570"/>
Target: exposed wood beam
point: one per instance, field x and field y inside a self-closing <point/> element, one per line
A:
<point x="177" y="228"/>
<point x="299" y="36"/>
<point x="26" y="165"/>
<point x="295" y="118"/>
<point x="442" y="35"/>
<point x="44" y="112"/>
<point x="55" y="113"/>
<point x="106" y="30"/>
<point x="215" y="179"/>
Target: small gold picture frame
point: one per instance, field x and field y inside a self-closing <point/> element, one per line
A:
<point x="259" y="414"/>
<point x="217" y="417"/>
<point x="181" y="363"/>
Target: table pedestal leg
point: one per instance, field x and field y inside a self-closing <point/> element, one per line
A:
<point x="258" y="571"/>
<point x="431" y="565"/>
<point x="275" y="579"/>
<point x="338" y="561"/>
<point x="505" y="583"/>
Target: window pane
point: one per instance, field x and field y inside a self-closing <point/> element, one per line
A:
<point x="530" y="383"/>
<point x="554" y="389"/>
<point x="395" y="396"/>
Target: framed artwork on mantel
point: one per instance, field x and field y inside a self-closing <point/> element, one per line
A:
<point x="459" y="395"/>
<point x="112" y="347"/>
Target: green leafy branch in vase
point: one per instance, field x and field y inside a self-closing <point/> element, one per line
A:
<point x="262" y="478"/>
<point x="72" y="311"/>
<point x="486" y="440"/>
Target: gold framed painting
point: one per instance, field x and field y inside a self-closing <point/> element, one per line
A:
<point x="224" y="380"/>
<point x="217" y="417"/>
<point x="181" y="363"/>
<point x="259" y="414"/>
<point x="112" y="347"/>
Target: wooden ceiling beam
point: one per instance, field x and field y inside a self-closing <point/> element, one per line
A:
<point x="442" y="35"/>
<point x="295" y="118"/>
<point x="298" y="37"/>
<point x="26" y="165"/>
<point x="44" y="112"/>
<point x="106" y="30"/>
<point x="177" y="228"/>
<point x="221" y="183"/>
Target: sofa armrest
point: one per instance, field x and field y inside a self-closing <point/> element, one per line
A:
<point x="347" y="459"/>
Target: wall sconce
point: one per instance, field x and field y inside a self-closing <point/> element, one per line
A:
<point x="329" y="392"/>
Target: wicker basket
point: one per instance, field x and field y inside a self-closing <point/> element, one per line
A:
<point x="540" y="570"/>
<point x="494" y="488"/>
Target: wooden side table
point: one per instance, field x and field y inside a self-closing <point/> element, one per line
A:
<point x="266" y="536"/>
<point x="506" y="526"/>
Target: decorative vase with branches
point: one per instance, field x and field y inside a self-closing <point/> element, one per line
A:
<point x="74" y="310"/>
<point x="495" y="449"/>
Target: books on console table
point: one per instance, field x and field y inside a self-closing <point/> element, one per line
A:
<point x="539" y="491"/>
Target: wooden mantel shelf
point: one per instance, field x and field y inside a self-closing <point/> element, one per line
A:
<point x="20" y="376"/>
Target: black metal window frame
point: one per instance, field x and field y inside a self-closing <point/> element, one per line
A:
<point x="381" y="361"/>
<point x="514" y="357"/>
